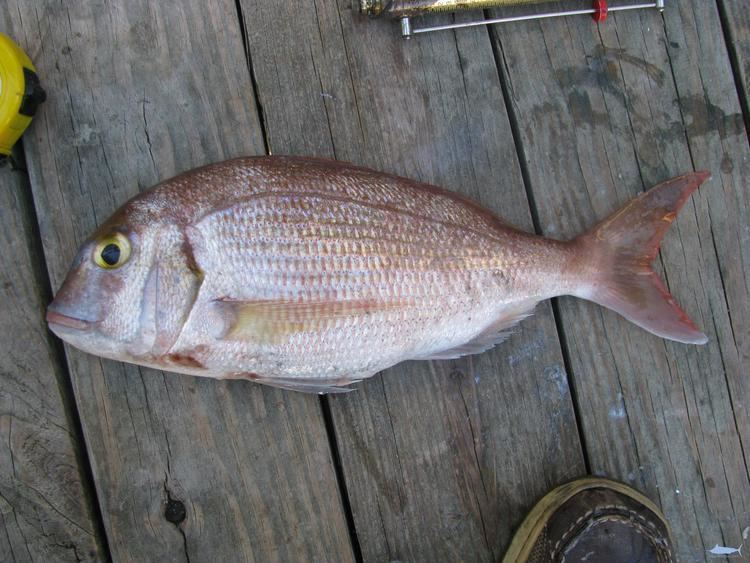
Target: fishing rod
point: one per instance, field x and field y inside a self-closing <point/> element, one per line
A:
<point x="405" y="10"/>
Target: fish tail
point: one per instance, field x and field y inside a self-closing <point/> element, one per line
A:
<point x="619" y="252"/>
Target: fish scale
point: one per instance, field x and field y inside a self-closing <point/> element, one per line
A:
<point x="424" y="275"/>
<point x="300" y="252"/>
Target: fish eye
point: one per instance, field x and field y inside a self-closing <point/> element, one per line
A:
<point x="112" y="251"/>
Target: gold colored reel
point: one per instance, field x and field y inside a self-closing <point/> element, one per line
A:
<point x="405" y="8"/>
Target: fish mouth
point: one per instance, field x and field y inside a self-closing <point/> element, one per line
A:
<point x="55" y="319"/>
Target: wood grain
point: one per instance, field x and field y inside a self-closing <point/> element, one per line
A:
<point x="44" y="515"/>
<point x="441" y="459"/>
<point x="605" y="112"/>
<point x="137" y="92"/>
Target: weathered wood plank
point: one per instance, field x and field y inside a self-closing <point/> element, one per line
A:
<point x="441" y="459"/>
<point x="137" y="92"/>
<point x="605" y="112"/>
<point x="44" y="515"/>
<point x="736" y="22"/>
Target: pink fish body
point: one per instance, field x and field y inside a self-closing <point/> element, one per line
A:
<point x="312" y="274"/>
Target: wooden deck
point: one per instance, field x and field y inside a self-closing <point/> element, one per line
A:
<point x="553" y="125"/>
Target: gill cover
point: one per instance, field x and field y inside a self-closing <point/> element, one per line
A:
<point x="169" y="293"/>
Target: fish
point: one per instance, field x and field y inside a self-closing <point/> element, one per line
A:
<point x="311" y="274"/>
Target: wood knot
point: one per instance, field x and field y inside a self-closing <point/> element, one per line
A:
<point x="175" y="511"/>
<point x="457" y="374"/>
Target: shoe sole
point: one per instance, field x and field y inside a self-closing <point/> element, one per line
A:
<point x="532" y="526"/>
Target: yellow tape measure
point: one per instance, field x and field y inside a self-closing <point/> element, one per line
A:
<point x="20" y="94"/>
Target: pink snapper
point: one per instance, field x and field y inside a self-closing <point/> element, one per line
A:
<point x="310" y="274"/>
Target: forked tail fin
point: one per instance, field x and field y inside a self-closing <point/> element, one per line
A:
<point x="620" y="251"/>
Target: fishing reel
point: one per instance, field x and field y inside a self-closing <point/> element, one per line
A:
<point x="20" y="95"/>
<point x="405" y="10"/>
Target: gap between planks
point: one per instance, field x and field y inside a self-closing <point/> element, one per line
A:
<point x="325" y="405"/>
<point x="499" y="58"/>
<point x="736" y="63"/>
<point x="60" y="360"/>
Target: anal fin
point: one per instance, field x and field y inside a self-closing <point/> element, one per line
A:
<point x="490" y="337"/>
<point x="320" y="386"/>
<point x="309" y="386"/>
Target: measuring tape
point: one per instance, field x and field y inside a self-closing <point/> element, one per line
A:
<point x="20" y="94"/>
<point x="404" y="10"/>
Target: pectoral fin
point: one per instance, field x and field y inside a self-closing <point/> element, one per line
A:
<point x="272" y="321"/>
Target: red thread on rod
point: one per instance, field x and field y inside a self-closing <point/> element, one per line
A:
<point x="600" y="10"/>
